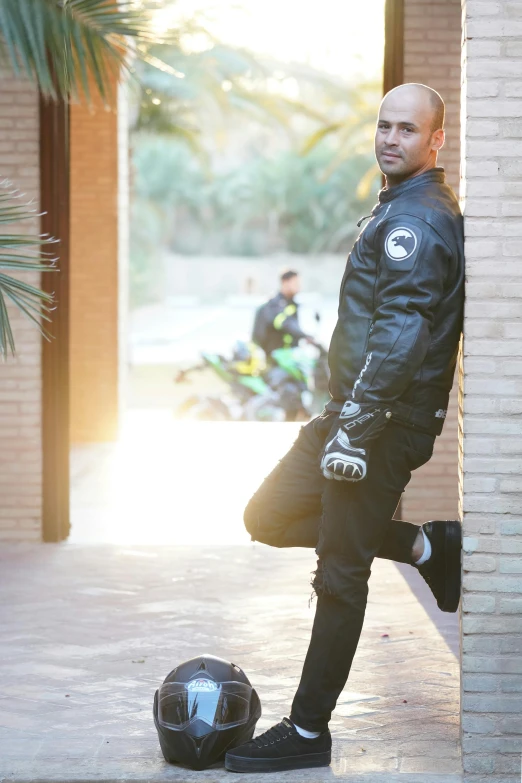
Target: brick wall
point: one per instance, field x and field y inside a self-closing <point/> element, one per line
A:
<point x="492" y="393"/>
<point x="20" y="385"/>
<point x="94" y="273"/>
<point x="432" y="52"/>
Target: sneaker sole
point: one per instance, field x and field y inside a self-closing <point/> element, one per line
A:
<point x="452" y="552"/>
<point x="240" y="764"/>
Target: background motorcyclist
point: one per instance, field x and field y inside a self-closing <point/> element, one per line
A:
<point x="276" y="323"/>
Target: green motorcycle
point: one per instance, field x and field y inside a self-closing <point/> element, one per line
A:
<point x="291" y="387"/>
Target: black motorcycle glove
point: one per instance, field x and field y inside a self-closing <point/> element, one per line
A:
<point x="345" y="456"/>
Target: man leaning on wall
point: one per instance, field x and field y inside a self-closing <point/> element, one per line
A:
<point x="392" y="359"/>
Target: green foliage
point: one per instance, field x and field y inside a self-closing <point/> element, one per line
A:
<point x="20" y="253"/>
<point x="246" y="156"/>
<point x="255" y="207"/>
<point x="147" y="224"/>
<point x="203" y="88"/>
<point x="58" y="43"/>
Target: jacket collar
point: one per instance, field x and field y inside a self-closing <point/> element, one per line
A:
<point x="433" y="175"/>
<point x="282" y="298"/>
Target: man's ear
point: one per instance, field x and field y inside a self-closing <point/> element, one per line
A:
<point x="437" y="140"/>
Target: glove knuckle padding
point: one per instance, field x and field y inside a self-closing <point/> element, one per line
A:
<point x="345" y="455"/>
<point x="341" y="460"/>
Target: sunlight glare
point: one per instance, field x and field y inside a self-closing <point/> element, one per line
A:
<point x="178" y="482"/>
<point x="341" y="38"/>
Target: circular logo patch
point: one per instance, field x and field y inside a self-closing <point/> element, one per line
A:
<point x="401" y="243"/>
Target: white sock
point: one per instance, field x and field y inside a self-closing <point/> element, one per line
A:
<point x="427" y="550"/>
<point x="307" y="734"/>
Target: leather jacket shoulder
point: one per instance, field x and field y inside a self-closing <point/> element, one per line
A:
<point x="401" y="303"/>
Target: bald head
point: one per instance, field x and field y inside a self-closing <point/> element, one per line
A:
<point x="409" y="131"/>
<point x="423" y="96"/>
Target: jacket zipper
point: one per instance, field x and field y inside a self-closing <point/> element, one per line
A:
<point x="367" y="217"/>
<point x="370" y="330"/>
<point x="361" y="221"/>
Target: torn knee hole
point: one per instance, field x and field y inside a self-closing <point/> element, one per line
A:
<point x="320" y="581"/>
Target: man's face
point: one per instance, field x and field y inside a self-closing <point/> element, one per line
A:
<point x="405" y="144"/>
<point x="291" y="287"/>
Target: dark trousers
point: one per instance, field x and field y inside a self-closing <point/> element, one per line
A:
<point x="349" y="524"/>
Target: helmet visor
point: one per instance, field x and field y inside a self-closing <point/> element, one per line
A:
<point x="220" y="705"/>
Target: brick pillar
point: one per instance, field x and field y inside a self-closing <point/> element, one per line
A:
<point x="20" y="378"/>
<point x="491" y="433"/>
<point x="432" y="54"/>
<point x="94" y="303"/>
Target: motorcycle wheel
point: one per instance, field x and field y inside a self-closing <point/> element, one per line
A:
<point x="203" y="409"/>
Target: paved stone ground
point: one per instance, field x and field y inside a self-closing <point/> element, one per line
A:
<point x="88" y="633"/>
<point x="158" y="569"/>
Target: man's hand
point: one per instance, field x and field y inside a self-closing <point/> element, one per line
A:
<point x="345" y="455"/>
<point x="341" y="460"/>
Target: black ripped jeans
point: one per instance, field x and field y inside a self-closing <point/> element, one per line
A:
<point x="349" y="524"/>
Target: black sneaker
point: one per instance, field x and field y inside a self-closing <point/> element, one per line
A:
<point x="442" y="571"/>
<point x="280" y="748"/>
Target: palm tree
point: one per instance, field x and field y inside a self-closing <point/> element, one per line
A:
<point x="354" y="129"/>
<point x="60" y="45"/>
<point x="205" y="85"/>
<point x="21" y="253"/>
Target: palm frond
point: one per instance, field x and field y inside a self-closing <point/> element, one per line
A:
<point x="60" y="43"/>
<point x="315" y="138"/>
<point x="21" y="253"/>
<point x="367" y="181"/>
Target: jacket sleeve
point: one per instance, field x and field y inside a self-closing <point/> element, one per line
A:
<point x="414" y="264"/>
<point x="259" y="327"/>
<point x="287" y="321"/>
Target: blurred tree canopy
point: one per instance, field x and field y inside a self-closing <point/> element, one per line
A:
<point x="270" y="203"/>
<point x="237" y="154"/>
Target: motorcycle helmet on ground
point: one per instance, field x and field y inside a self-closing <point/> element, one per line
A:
<point x="204" y="707"/>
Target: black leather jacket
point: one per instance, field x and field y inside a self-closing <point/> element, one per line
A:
<point x="401" y="304"/>
<point x="276" y="324"/>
